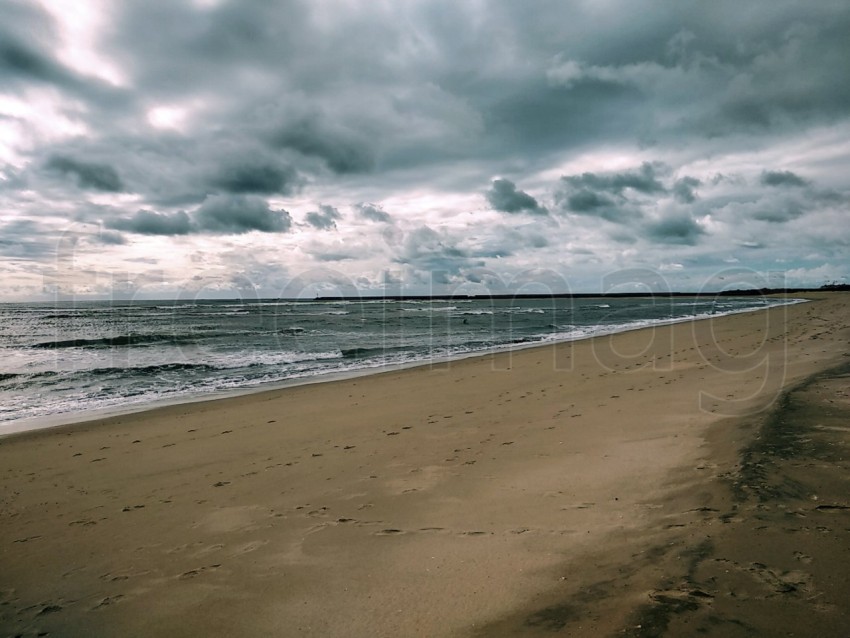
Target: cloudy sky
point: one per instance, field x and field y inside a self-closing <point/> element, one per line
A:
<point x="286" y="148"/>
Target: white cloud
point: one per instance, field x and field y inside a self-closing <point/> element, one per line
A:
<point x="166" y="117"/>
<point x="80" y="28"/>
<point x="38" y="117"/>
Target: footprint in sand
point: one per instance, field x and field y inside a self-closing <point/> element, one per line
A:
<point x="249" y="547"/>
<point x="783" y="582"/>
<point x="192" y="573"/>
<point x="109" y="600"/>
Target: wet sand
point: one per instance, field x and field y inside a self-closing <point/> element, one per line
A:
<point x="656" y="482"/>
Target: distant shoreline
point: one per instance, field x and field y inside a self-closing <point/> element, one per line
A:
<point x="754" y="292"/>
<point x="583" y="295"/>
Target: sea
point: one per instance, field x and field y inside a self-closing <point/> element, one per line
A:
<point x="61" y="361"/>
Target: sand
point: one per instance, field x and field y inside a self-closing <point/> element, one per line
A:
<point x="657" y="482"/>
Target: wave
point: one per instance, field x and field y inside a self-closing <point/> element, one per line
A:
<point x="155" y="369"/>
<point x="221" y="365"/>
<point x="363" y="353"/>
<point x="112" y="371"/>
<point x="121" y="340"/>
<point x="310" y="312"/>
<point x="531" y="339"/>
<point x="279" y="358"/>
<point x="441" y="309"/>
<point x="358" y="353"/>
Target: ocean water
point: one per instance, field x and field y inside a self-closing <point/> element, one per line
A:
<point x="63" y="359"/>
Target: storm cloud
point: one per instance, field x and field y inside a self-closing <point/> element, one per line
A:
<point x="241" y="214"/>
<point x="25" y="239"/>
<point x="343" y="151"/>
<point x="504" y="196"/>
<point x="641" y="180"/>
<point x="782" y="178"/>
<point x="617" y="197"/>
<point x="675" y="229"/>
<point x="17" y="58"/>
<point x="324" y="219"/>
<point x="779" y="211"/>
<point x="373" y="213"/>
<point x="255" y="176"/>
<point x="146" y="222"/>
<point x="434" y="257"/>
<point x="91" y="175"/>
<point x="685" y="189"/>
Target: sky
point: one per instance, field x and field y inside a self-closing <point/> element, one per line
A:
<point x="259" y="148"/>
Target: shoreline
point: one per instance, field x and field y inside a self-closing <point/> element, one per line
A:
<point x="524" y="492"/>
<point x="67" y="419"/>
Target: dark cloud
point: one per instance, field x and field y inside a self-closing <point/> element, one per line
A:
<point x="610" y="196"/>
<point x="584" y="201"/>
<point x="170" y="46"/>
<point x="16" y="58"/>
<point x="336" y="255"/>
<point x="694" y="77"/>
<point x="797" y="79"/>
<point x="255" y="176"/>
<point x="373" y="213"/>
<point x="504" y="196"/>
<point x="434" y="257"/>
<point x="91" y="175"/>
<point x="26" y="239"/>
<point x="533" y="116"/>
<point x="26" y="54"/>
<point x="342" y="150"/>
<point x="240" y="214"/>
<point x="325" y="219"/>
<point x="146" y="222"/>
<point x="110" y="238"/>
<point x="505" y="241"/>
<point x="779" y="211"/>
<point x="590" y="203"/>
<point x="782" y="178"/>
<point x="684" y="189"/>
<point x="643" y="180"/>
<point x="674" y="229"/>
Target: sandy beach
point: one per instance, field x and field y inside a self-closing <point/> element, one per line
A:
<point x="675" y="480"/>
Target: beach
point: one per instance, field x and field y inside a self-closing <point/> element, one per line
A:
<point x="652" y="482"/>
